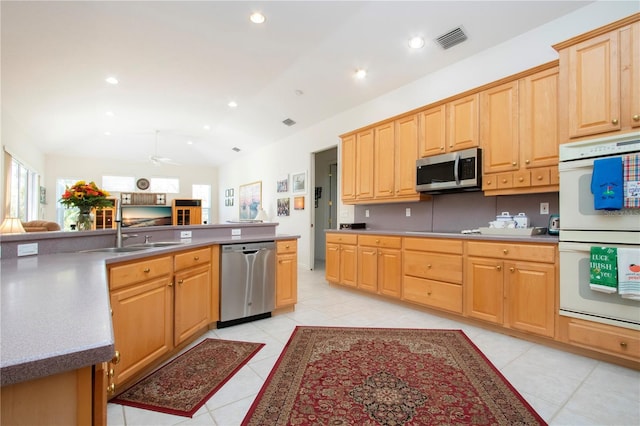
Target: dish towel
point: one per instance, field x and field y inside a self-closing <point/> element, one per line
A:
<point x="606" y="184"/>
<point x="629" y="273"/>
<point x="603" y="266"/>
<point x="631" y="164"/>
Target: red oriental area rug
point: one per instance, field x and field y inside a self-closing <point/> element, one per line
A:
<point x="183" y="385"/>
<point x="369" y="376"/>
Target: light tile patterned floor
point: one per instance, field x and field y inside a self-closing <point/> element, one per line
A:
<point x="565" y="389"/>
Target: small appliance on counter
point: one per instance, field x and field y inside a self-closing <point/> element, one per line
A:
<point x="353" y="225"/>
<point x="554" y="224"/>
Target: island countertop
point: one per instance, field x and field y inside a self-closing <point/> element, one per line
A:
<point x="55" y="308"/>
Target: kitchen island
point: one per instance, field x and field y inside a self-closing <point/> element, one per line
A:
<point x="55" y="306"/>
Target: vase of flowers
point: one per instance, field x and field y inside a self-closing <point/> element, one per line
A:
<point x="85" y="197"/>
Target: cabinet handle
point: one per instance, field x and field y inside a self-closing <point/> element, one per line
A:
<point x="377" y="241"/>
<point x="180" y="282"/>
<point x="442" y="148"/>
<point x="505" y="251"/>
<point x="170" y="284"/>
<point x="539" y="177"/>
<point x="196" y="258"/>
<point x="504" y="181"/>
<point x="512" y="269"/>
<point x="614" y="121"/>
<point x="636" y="117"/>
<point x="514" y="163"/>
<point x="526" y="161"/>
<point x="111" y="388"/>
<point x="110" y="373"/>
<point x="498" y="268"/>
<point x="623" y="345"/>
<point x="116" y="358"/>
<point x="146" y="270"/>
<point x="520" y="179"/>
<point x="429" y="266"/>
<point x="287" y="246"/>
<point x="428" y="293"/>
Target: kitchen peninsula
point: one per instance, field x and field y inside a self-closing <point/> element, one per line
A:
<point x="56" y="309"/>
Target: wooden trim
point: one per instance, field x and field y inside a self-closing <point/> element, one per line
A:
<point x="598" y="31"/>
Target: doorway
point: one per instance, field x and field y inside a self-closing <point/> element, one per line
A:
<point x="325" y="201"/>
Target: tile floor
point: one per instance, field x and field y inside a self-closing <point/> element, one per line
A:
<point x="565" y="389"/>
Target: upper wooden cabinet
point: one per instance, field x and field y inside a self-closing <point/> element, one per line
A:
<point x="450" y="127"/>
<point x="348" y="182"/>
<point x="364" y="164"/>
<point x="600" y="80"/>
<point x="499" y="131"/>
<point x="384" y="154"/>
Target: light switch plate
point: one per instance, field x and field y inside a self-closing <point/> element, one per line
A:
<point x="544" y="208"/>
<point x="27" y="249"/>
<point x="185" y="234"/>
<point x="366" y="213"/>
<point x="407" y="211"/>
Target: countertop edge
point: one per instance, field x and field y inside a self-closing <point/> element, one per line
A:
<point x="545" y="238"/>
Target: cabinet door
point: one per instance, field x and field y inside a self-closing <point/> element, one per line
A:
<point x="348" y="182"/>
<point x="286" y="280"/>
<point x="144" y="309"/>
<point x="530" y="294"/>
<point x="630" y="75"/>
<point x="332" y="262"/>
<point x="463" y="123"/>
<point x="390" y="272"/>
<point x="406" y="155"/>
<point x="499" y="128"/>
<point x="483" y="289"/>
<point x="349" y="265"/>
<point x="594" y="90"/>
<point x="539" y="132"/>
<point x="384" y="157"/>
<point x="364" y="167"/>
<point x="433" y="133"/>
<point x="192" y="302"/>
<point x="368" y="269"/>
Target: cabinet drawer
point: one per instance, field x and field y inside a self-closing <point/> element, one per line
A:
<point x="342" y="238"/>
<point x="540" y="177"/>
<point x="505" y="180"/>
<point x="521" y="179"/>
<point x="433" y="293"/>
<point x="124" y="275"/>
<point x="605" y="339"/>
<point x="380" y="241"/>
<point x="435" y="266"/>
<point x="286" y="246"/>
<point x="529" y="252"/>
<point x="192" y="258"/>
<point x="433" y="245"/>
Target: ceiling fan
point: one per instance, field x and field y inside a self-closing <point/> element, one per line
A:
<point x="158" y="160"/>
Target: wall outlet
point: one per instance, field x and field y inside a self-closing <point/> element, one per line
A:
<point x="27" y="249"/>
<point x="407" y="211"/>
<point x="236" y="232"/>
<point x="544" y="208"/>
<point x="185" y="234"/>
<point x="366" y="213"/>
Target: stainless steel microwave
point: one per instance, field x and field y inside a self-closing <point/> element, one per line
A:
<point x="453" y="172"/>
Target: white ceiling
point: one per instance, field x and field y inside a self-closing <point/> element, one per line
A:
<point x="180" y="63"/>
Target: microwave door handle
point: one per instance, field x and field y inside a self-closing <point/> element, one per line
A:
<point x="456" y="175"/>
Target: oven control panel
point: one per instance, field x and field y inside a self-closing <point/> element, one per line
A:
<point x="601" y="147"/>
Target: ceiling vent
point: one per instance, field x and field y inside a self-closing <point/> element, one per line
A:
<point x="288" y="122"/>
<point x="452" y="38"/>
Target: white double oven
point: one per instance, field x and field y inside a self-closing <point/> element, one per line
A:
<point x="581" y="227"/>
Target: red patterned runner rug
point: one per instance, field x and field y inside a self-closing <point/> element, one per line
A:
<point x="369" y="376"/>
<point x="183" y="385"/>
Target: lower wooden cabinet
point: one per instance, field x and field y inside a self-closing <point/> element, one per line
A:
<point x="380" y="264"/>
<point x="192" y="304"/>
<point x="286" y="273"/>
<point x="341" y="259"/>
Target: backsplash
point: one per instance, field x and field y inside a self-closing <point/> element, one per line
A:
<point x="455" y="212"/>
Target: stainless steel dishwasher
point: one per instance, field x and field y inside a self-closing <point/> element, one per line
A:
<point x="247" y="282"/>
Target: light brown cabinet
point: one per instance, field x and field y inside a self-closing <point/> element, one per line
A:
<point x="348" y="182"/>
<point x="341" y="259"/>
<point x="286" y="273"/>
<point x="600" y="80"/>
<point x="432" y="273"/>
<point x="186" y="212"/>
<point x="385" y="160"/>
<point x="364" y="164"/>
<point x="380" y="264"/>
<point x="519" y="135"/>
<point x="105" y="217"/>
<point x="193" y="288"/>
<point x="512" y="284"/>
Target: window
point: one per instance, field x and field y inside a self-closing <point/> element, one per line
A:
<point x="24" y="192"/>
<point x="166" y="185"/>
<point x="203" y="192"/>
<point x="118" y="183"/>
<point x="64" y="216"/>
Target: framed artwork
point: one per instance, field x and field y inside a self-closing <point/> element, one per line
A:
<point x="282" y="184"/>
<point x="283" y="206"/>
<point x="298" y="203"/>
<point x="299" y="183"/>
<point x="249" y="200"/>
<point x="43" y="195"/>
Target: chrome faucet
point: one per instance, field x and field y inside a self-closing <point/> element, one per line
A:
<point x="118" y="223"/>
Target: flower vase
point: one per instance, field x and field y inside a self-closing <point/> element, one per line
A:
<point x="84" y="222"/>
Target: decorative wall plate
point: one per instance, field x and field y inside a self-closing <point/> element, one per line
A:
<point x="142" y="184"/>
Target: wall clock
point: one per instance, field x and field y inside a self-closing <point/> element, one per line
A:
<point x="142" y="184"/>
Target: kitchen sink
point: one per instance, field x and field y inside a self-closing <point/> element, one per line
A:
<point x="158" y="244"/>
<point x="115" y="249"/>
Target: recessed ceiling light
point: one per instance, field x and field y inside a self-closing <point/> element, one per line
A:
<point x="111" y="80"/>
<point x="107" y="133"/>
<point x="109" y="114"/>
<point x="189" y="142"/>
<point x="257" y="18"/>
<point x="206" y="127"/>
<point x="416" y="42"/>
<point x="233" y="104"/>
<point x="360" y="73"/>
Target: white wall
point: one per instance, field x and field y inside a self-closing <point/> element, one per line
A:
<point x="292" y="155"/>
<point x="93" y="169"/>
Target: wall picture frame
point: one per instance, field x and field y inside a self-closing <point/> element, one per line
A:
<point x="249" y="200"/>
<point x="283" y="206"/>
<point x="282" y="184"/>
<point x="298" y="203"/>
<point x="299" y="183"/>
